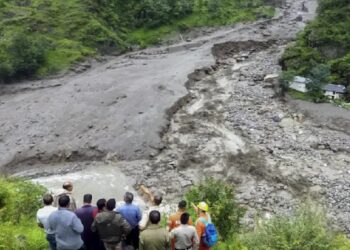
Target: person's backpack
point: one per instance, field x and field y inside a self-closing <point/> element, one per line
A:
<point x="210" y="236"/>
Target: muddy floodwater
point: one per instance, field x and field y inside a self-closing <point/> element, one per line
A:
<point x="108" y="182"/>
<point x="169" y="116"/>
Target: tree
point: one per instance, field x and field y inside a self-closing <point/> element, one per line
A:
<point x="347" y="94"/>
<point x="285" y="78"/>
<point x="224" y="210"/>
<point x="318" y="76"/>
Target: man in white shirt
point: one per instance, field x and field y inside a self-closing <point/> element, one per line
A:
<point x="156" y="199"/>
<point x="186" y="237"/>
<point x="42" y="219"/>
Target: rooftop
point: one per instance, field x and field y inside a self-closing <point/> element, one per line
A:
<point x="335" y="88"/>
<point x="300" y="79"/>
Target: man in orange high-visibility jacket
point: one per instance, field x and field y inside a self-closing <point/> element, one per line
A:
<point x="202" y="210"/>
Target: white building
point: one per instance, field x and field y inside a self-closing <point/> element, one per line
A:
<point x="299" y="83"/>
<point x="334" y="91"/>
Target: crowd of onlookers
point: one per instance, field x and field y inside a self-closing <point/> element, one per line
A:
<point x="106" y="227"/>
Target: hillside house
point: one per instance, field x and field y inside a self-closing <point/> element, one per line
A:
<point x="333" y="91"/>
<point x="299" y="83"/>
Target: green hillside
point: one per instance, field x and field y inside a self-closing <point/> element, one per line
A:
<point x="41" y="37"/>
<point x="324" y="43"/>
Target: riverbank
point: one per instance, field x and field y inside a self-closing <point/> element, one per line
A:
<point x="225" y="122"/>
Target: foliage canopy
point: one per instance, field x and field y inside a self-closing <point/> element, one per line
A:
<point x="40" y="37"/>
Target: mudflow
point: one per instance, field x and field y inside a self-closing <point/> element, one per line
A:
<point x="170" y="116"/>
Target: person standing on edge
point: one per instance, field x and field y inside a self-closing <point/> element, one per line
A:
<point x="42" y="217"/>
<point x="85" y="214"/>
<point x="133" y="216"/>
<point x="111" y="226"/>
<point x="67" y="190"/>
<point x="185" y="235"/>
<point x="174" y="219"/>
<point x="156" y="200"/>
<point x="154" y="237"/>
<point x="202" y="210"/>
<point x="66" y="226"/>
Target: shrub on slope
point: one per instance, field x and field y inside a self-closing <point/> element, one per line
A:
<point x="19" y="201"/>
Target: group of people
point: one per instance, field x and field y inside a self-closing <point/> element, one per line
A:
<point x="109" y="228"/>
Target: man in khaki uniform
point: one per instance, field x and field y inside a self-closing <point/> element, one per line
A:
<point x="67" y="189"/>
<point x="154" y="237"/>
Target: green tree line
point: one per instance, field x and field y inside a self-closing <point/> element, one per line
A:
<point x="41" y="37"/>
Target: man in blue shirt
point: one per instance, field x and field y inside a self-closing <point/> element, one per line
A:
<point x="66" y="226"/>
<point x="133" y="216"/>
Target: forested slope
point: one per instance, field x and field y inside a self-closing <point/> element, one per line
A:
<point x="40" y="37"/>
<point x="324" y="42"/>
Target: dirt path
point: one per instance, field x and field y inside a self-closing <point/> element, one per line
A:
<point x="224" y="122"/>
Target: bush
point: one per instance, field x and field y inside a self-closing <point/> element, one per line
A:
<point x="319" y="76"/>
<point x="306" y="230"/>
<point x="19" y="201"/>
<point x="21" y="56"/>
<point x="285" y="78"/>
<point x="224" y="210"/>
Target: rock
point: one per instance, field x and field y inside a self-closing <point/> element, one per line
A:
<point x="287" y="123"/>
<point x="278" y="118"/>
<point x="316" y="191"/>
<point x="266" y="33"/>
<point x="299" y="18"/>
<point x="272" y="78"/>
<point x="268" y="85"/>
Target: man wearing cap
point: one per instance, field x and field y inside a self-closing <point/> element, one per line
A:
<point x="202" y="210"/>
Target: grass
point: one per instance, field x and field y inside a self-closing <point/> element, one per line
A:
<point x="146" y="36"/>
<point x="305" y="230"/>
<point x="299" y="95"/>
<point x="62" y="33"/>
<point x="24" y="236"/>
<point x="68" y="31"/>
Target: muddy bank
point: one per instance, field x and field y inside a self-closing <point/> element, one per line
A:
<point x="325" y="114"/>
